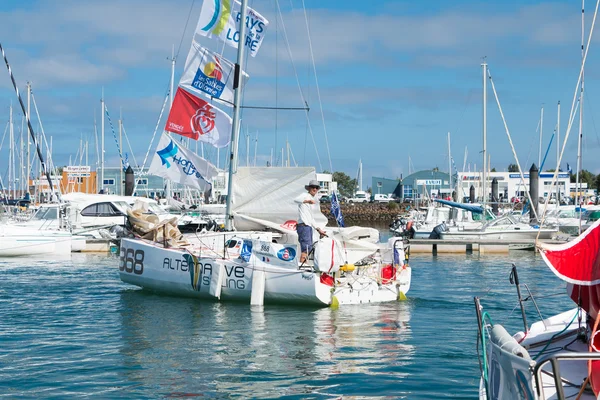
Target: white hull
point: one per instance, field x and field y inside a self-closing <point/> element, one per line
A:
<point x="150" y="266"/>
<point x="499" y="235"/>
<point x="17" y="242"/>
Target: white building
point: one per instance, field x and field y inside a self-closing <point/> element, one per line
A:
<point x="327" y="184"/>
<point x="511" y="185"/>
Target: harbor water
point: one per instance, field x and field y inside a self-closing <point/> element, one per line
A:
<point x="72" y="329"/>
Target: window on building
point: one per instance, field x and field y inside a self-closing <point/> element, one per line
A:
<point x="142" y="181"/>
<point x="109" y="181"/>
<point x="408" y="191"/>
<point x="80" y="180"/>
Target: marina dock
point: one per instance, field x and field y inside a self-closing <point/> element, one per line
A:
<point x="482" y="246"/>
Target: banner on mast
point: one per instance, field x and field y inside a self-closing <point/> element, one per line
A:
<point x="221" y="18"/>
<point x="178" y="164"/>
<point x="193" y="117"/>
<point x="209" y="73"/>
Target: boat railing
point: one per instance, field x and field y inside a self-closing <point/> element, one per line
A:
<point x="554" y="359"/>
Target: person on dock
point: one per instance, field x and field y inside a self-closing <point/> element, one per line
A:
<point x="308" y="212"/>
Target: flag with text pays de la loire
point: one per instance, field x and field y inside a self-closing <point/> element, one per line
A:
<point x="209" y="73"/>
<point x="192" y="117"/>
<point x="336" y="211"/>
<point x="221" y="18"/>
<point x="178" y="164"/>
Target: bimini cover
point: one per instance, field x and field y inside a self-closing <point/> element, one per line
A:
<point x="577" y="261"/>
<point x="469" y="207"/>
<point x="268" y="194"/>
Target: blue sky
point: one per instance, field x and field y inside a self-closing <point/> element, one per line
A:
<point x="393" y="78"/>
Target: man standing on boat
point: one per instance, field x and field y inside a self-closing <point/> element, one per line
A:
<point x="308" y="212"/>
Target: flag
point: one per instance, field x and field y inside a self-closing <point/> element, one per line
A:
<point x="569" y="168"/>
<point x="208" y="73"/>
<point x="336" y="211"/>
<point x="193" y="117"/>
<point x="126" y="162"/>
<point x="178" y="164"/>
<point x="220" y="18"/>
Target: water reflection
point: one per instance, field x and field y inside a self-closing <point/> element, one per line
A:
<point x="177" y="347"/>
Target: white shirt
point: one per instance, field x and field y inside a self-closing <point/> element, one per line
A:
<point x="309" y="213"/>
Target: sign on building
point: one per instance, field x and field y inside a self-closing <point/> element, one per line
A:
<point x="429" y="182"/>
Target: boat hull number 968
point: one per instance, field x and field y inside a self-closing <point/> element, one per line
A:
<point x="131" y="261"/>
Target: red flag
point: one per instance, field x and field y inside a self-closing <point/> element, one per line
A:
<point x="195" y="118"/>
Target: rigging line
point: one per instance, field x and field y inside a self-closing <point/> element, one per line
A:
<point x="44" y="139"/>
<point x="129" y="144"/>
<point x="575" y="98"/>
<point x="262" y="107"/>
<point x="510" y="141"/>
<point x="587" y="96"/>
<point x="184" y="29"/>
<point x="153" y="135"/>
<point x="299" y="86"/>
<point x="114" y="135"/>
<point x="312" y="58"/>
<point x="571" y="115"/>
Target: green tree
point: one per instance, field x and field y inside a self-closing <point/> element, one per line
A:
<point x="346" y="185"/>
<point x="493" y="169"/>
<point x="585" y="176"/>
<point x="513" y="168"/>
<point x="597" y="182"/>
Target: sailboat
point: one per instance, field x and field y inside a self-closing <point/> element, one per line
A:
<point x="259" y="262"/>
<point x="25" y="241"/>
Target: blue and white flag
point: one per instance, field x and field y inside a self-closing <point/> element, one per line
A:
<point x="336" y="210"/>
<point x="178" y="164"/>
<point x="569" y="168"/>
<point x="126" y="162"/>
<point x="208" y="73"/>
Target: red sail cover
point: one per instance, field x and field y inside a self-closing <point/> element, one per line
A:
<point x="578" y="261"/>
<point x="195" y="118"/>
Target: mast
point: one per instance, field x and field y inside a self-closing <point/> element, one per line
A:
<point x="22" y="163"/>
<point x="449" y="166"/>
<point x="87" y="179"/>
<point x="11" y="151"/>
<point x="483" y="180"/>
<point x="247" y="148"/>
<point x="577" y="183"/>
<point x="579" y="141"/>
<point x="558" y="155"/>
<point x="168" y="183"/>
<point x="27" y="117"/>
<point x="120" y="147"/>
<point x="102" y="143"/>
<point x="255" y="147"/>
<point x="237" y="99"/>
<point x="359" y="177"/>
<point x="541" y="130"/>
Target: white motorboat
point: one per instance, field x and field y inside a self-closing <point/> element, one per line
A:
<point x="16" y="241"/>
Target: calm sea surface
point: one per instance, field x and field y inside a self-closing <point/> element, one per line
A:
<point x="71" y="329"/>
